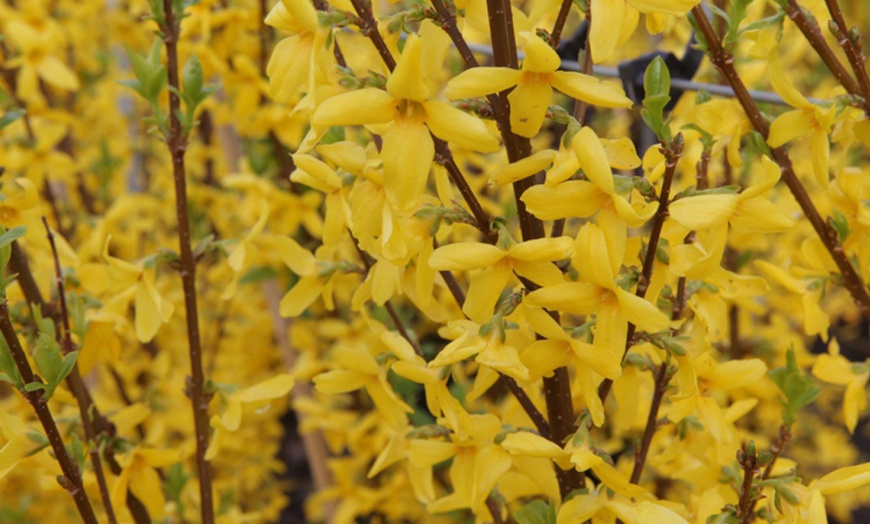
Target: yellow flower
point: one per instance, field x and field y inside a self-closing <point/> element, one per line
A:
<point x="806" y="119"/>
<point x="257" y="395"/>
<point x="408" y="149"/>
<point x="836" y="369"/>
<point x="534" y="86"/>
<point x="128" y="281"/>
<point x="139" y="474"/>
<point x="38" y="60"/>
<point x="292" y="60"/>
<point x="316" y="174"/>
<point x="532" y="259"/>
<point x="240" y="254"/>
<point x="356" y="368"/>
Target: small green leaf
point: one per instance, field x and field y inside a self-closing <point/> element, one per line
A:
<point x="7" y="364"/>
<point x="657" y="87"/>
<point x="191" y="77"/>
<point x="536" y="512"/>
<point x="11" y="116"/>
<point x="799" y="389"/>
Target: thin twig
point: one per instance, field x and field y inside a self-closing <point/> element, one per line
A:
<point x="561" y="18"/>
<point x="723" y="60"/>
<point x="811" y="31"/>
<point x="176" y="143"/>
<point x="68" y="347"/>
<point x="662" y="378"/>
<point x="852" y="48"/>
<point x="71" y="479"/>
<point x="672" y="154"/>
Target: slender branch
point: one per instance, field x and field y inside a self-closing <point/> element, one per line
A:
<point x="662" y="377"/>
<point x="531" y="410"/>
<point x="748" y="461"/>
<point x="776" y="449"/>
<point x="561" y="18"/>
<point x="723" y="60"/>
<point x="494" y="509"/>
<point x="852" y="47"/>
<point x="76" y="386"/>
<point x="813" y="33"/>
<point x="672" y="154"/>
<point x="176" y="142"/>
<point x="71" y="479"/>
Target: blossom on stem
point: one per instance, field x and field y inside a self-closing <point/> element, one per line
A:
<point x="535" y="82"/>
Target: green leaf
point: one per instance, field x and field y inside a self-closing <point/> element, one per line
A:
<point x="34" y="386"/>
<point x="191" y="77"/>
<point x="799" y="389"/>
<point x="7" y="364"/>
<point x="11" y="116"/>
<point x="536" y="512"/>
<point x="657" y="87"/>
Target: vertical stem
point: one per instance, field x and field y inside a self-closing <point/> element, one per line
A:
<point x="196" y="386"/>
<point x="76" y="384"/>
<point x="672" y="154"/>
<point x="561" y="18"/>
<point x="71" y="480"/>
<point x="661" y="384"/>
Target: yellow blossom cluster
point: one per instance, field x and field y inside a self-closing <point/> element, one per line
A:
<point x="484" y="292"/>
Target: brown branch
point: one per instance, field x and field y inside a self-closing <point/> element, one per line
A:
<point x="177" y="143"/>
<point x="813" y="33"/>
<point x="672" y="153"/>
<point x="561" y="18"/>
<point x="71" y="479"/>
<point x="494" y="509"/>
<point x="748" y="461"/>
<point x="78" y="386"/>
<point x="724" y="61"/>
<point x="852" y="48"/>
<point x="531" y="410"/>
<point x="662" y="377"/>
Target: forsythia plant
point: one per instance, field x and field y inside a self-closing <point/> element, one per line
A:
<point x="484" y="291"/>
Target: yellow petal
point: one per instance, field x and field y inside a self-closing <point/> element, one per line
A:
<point x="531" y="445"/>
<point x="844" y="479"/>
<point x="833" y="369"/>
<point x="339" y="381"/>
<point x="480" y="81"/>
<point x="314" y="173"/>
<point x="782" y="86"/>
<point x="302" y="295"/>
<point x="593" y="159"/>
<point x="592" y="257"/>
<point x="529" y="103"/>
<point x="540" y="57"/>
<point x="758" y="215"/>
<point x="543" y="249"/>
<point x="303" y="12"/>
<point x="580" y="508"/>
<point x="595" y="91"/>
<point x="406" y="80"/>
<point x="232" y="417"/>
<point x="603" y="37"/>
<point x="297" y="258"/>
<point x="275" y="387"/>
<point x="407" y="153"/>
<point x="484" y="290"/>
<point x="149" y="310"/>
<point x="582" y="298"/>
<point x="703" y="211"/>
<point x="788" y="126"/>
<point x="854" y="401"/>
<point x="12" y="453"/>
<point x="737" y="374"/>
<point x="463" y="256"/>
<point x="53" y="71"/>
<point x="600" y="361"/>
<point x="365" y="106"/>
<point x="574" y="198"/>
<point x="523" y="168"/>
<point x="821" y="152"/>
<point x="456" y="126"/>
<point x="621" y="153"/>
<point x="646" y="512"/>
<point x="641" y="313"/>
